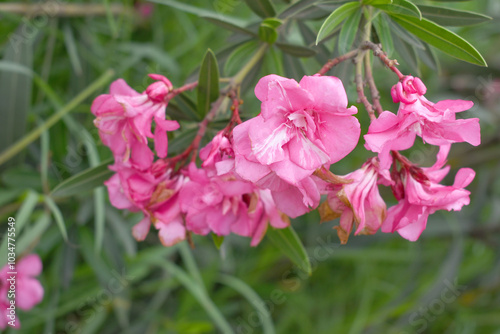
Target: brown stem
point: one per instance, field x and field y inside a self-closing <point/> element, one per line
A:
<point x="333" y="62"/>
<point x="373" y="87"/>
<point x="360" y="86"/>
<point x="57" y="8"/>
<point x="377" y="52"/>
<point x="182" y="89"/>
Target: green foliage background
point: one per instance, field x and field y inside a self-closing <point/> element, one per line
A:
<point x="100" y="280"/>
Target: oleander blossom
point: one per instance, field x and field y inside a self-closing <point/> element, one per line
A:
<point x="154" y="192"/>
<point x="423" y="195"/>
<point x="302" y="127"/>
<point x="124" y="119"/>
<point x="28" y="290"/>
<point x="357" y="203"/>
<point x="217" y="200"/>
<point x="436" y="123"/>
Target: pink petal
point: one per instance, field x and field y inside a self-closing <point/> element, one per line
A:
<point x="267" y="139"/>
<point x="120" y="87"/>
<point x="305" y="154"/>
<point x="172" y="233"/>
<point x="30" y="265"/>
<point x="464" y="177"/>
<point x="339" y="135"/>
<point x="454" y="105"/>
<point x="117" y="196"/>
<point x="328" y="93"/>
<point x="29" y="292"/>
<point x="141" y="229"/>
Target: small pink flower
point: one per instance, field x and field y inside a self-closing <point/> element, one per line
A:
<point x="154" y="192"/>
<point x="124" y="120"/>
<point x="301" y="127"/>
<point x="28" y="290"/>
<point x="357" y="202"/>
<point x="224" y="203"/>
<point x="434" y="122"/>
<point x="423" y="195"/>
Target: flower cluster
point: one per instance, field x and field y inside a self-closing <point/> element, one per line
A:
<point x="417" y="189"/>
<point x="28" y="290"/>
<point x="277" y="164"/>
<point x="176" y="201"/>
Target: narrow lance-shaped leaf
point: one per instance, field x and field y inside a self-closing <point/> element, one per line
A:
<point x="208" y="83"/>
<point x="288" y="242"/>
<point x="400" y="7"/>
<point x="441" y="38"/>
<point x="384" y="33"/>
<point x="57" y="216"/>
<point x="253" y="298"/>
<point x="228" y="25"/>
<point x="336" y="18"/>
<point x="349" y="31"/>
<point x="452" y="17"/>
<point x="87" y="180"/>
<point x="296" y="50"/>
<point x="239" y="56"/>
<point x="398" y="31"/>
<point x="263" y="8"/>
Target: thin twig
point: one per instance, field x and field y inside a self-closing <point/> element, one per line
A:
<point x="377" y="52"/>
<point x="360" y="86"/>
<point x="57" y="8"/>
<point x="373" y="87"/>
<point x="333" y="62"/>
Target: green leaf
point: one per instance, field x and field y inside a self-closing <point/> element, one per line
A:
<point x="263" y="8"/>
<point x="407" y="52"/>
<point x="377" y="2"/>
<point x="197" y="291"/>
<point x="253" y="298"/>
<point x="84" y="181"/>
<point x="452" y="17"/>
<point x="239" y="56"/>
<point x="16" y="87"/>
<point x="273" y="22"/>
<point x="296" y="8"/>
<point x="273" y="62"/>
<point x="288" y="242"/>
<point x="267" y="33"/>
<point x="33" y="233"/>
<point x="228" y="25"/>
<point x="218" y="240"/>
<point x="200" y="12"/>
<point x="57" y="216"/>
<point x="187" y="106"/>
<point x="21" y="218"/>
<point x="335" y="19"/>
<point x="349" y="30"/>
<point x="429" y="57"/>
<point x="441" y="38"/>
<point x="384" y="33"/>
<point x="398" y="31"/>
<point x="208" y="83"/>
<point x="296" y="50"/>
<point x="400" y="7"/>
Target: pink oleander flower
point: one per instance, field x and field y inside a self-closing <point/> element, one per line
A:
<point x="423" y="195"/>
<point x="124" y="118"/>
<point x="28" y="290"/>
<point x="358" y="202"/>
<point x="155" y="193"/>
<point x="434" y="122"/>
<point x="302" y="127"/>
<point x="224" y="203"/>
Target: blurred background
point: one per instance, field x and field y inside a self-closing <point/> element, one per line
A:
<point x="100" y="280"/>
